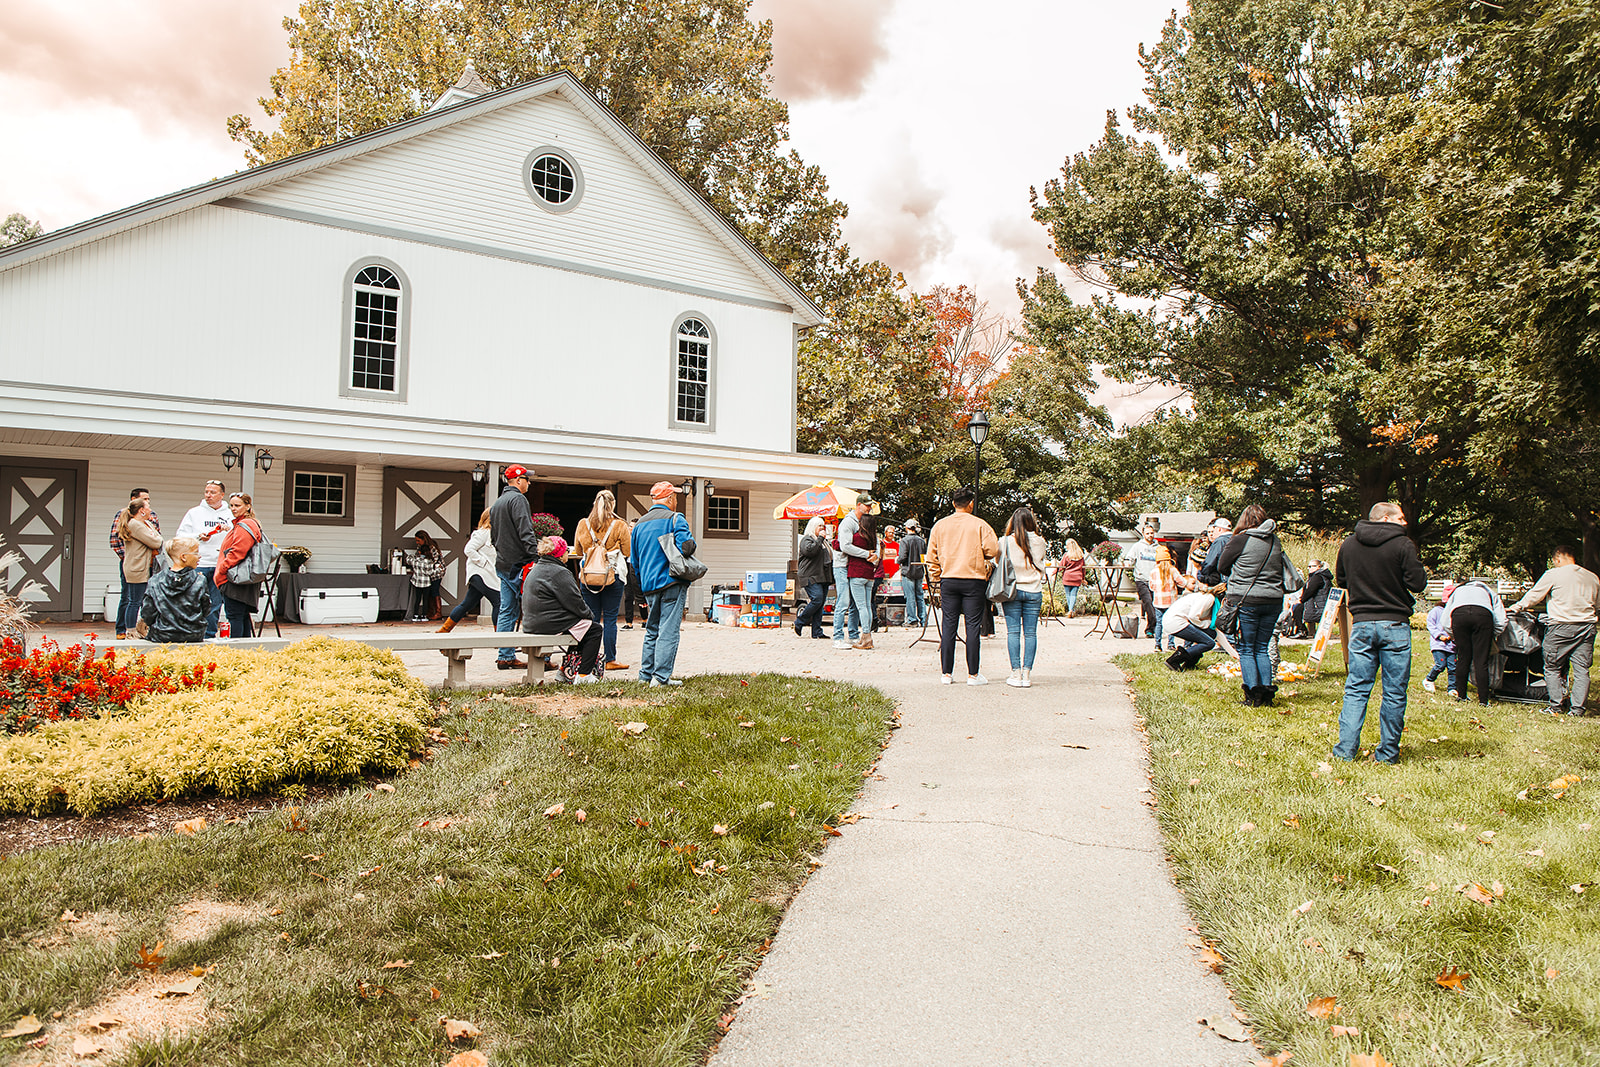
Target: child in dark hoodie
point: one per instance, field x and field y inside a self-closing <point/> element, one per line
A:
<point x="178" y="599"/>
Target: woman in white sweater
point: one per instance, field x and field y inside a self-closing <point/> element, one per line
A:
<point x="482" y="581"/>
<point x="1026" y="550"/>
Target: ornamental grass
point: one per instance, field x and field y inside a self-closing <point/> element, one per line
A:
<point x="239" y="722"/>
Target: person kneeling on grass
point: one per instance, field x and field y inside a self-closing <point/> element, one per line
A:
<point x="1192" y="619"/>
<point x="553" y="604"/>
<point x="179" y="598"/>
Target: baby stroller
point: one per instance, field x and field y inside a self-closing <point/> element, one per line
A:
<point x="1516" y="664"/>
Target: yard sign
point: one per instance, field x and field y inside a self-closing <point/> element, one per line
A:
<point x="1330" y="612"/>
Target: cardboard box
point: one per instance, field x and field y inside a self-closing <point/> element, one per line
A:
<point x="754" y="621"/>
<point x="774" y="582"/>
<point x="326" y="607"/>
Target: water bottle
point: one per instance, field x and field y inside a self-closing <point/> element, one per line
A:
<point x="224" y="631"/>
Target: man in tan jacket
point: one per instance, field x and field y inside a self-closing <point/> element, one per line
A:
<point x="960" y="547"/>
<point x="1570" y="617"/>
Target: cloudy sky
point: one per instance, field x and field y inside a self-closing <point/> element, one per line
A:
<point x="931" y="118"/>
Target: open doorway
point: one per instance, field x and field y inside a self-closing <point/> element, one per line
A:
<point x="569" y="503"/>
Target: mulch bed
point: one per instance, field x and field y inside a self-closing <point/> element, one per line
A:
<point x="19" y="833"/>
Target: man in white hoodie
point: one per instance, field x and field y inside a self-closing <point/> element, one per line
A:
<point x="208" y="522"/>
<point x="1570" y="617"/>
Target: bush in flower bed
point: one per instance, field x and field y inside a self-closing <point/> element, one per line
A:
<point x="320" y="709"/>
<point x="52" y="683"/>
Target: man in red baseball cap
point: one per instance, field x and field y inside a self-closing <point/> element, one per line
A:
<point x="515" y="546"/>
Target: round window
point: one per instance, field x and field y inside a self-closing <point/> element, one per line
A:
<point x="552" y="179"/>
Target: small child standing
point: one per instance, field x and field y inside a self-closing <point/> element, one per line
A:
<point x="1440" y="643"/>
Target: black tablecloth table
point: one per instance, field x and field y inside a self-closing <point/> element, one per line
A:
<point x="394" y="590"/>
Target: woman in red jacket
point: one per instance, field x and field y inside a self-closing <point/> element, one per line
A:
<point x="1070" y="571"/>
<point x="238" y="600"/>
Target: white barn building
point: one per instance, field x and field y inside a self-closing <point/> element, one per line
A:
<point x="511" y="277"/>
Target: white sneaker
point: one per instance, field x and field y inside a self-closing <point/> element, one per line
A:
<point x="585" y="679"/>
<point x="945" y="679"/>
<point x="977" y="679"/>
<point x="1027" y="679"/>
<point x="669" y="681"/>
<point x="841" y="643"/>
<point x="1427" y="685"/>
<point x="1015" y="680"/>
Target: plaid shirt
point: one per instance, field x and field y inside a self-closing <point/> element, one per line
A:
<point x="116" y="538"/>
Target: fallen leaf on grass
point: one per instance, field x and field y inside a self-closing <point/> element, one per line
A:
<point x="1578" y="887"/>
<point x="1246" y="827"/>
<point x="384" y="787"/>
<point x="553" y="810"/>
<point x="1345" y="1031"/>
<point x="1375" y="800"/>
<point x="747" y="726"/>
<point x="552" y="876"/>
<point x="1213" y="959"/>
<point x="181" y="989"/>
<point x="151" y="959"/>
<point x="86" y="1046"/>
<point x="296" y="824"/>
<point x="1477" y="894"/>
<point x="1292" y="822"/>
<point x="1323" y="1008"/>
<point x="1552" y="974"/>
<point x="831" y="832"/>
<point x="99" y="1021"/>
<point x="1374" y="1060"/>
<point x="1386" y="867"/>
<point x="1227" y="1026"/>
<point x="458" y="1029"/>
<point x="1304" y="908"/>
<point x="641" y="823"/>
<point x="28" y="1024"/>
<point x="190" y="826"/>
<point x="634" y="729"/>
<point x="489" y="956"/>
<point x="1324" y="767"/>
<point x="1534" y="852"/>
<point x="395" y="965"/>
<point x="470" y="1058"/>
<point x="720" y="830"/>
<point x="1451" y="978"/>
<point x="1277" y="1059"/>
<point x="581" y="815"/>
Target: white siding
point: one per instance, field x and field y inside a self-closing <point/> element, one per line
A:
<point x="224" y="304"/>
<point x="175" y="483"/>
<point x="465" y="182"/>
<point x="770" y="546"/>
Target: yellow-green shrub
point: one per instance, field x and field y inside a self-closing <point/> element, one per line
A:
<point x="319" y="709"/>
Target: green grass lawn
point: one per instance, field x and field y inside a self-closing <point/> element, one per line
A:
<point x="617" y="940"/>
<point x="1318" y="878"/>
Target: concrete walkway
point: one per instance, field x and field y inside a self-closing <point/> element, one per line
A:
<point x="1004" y="899"/>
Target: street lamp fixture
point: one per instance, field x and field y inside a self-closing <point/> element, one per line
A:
<point x="231" y="457"/>
<point x="264" y="460"/>
<point x="687" y="488"/>
<point x="978" y="430"/>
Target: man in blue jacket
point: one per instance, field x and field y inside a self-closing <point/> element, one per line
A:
<point x="662" y="592"/>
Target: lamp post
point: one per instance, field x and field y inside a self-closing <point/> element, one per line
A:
<point x="978" y="429"/>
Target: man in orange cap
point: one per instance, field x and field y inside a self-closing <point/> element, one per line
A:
<point x="663" y="593"/>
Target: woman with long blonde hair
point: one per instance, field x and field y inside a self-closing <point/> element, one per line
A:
<point x="140" y="543"/>
<point x="1071" y="571"/>
<point x="482" y="581"/>
<point x="604" y="545"/>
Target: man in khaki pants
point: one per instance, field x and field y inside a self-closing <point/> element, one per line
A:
<point x="960" y="547"/>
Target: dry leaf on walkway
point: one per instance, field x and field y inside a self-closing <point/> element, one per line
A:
<point x="181" y="989"/>
<point x="470" y="1058"/>
<point x="1451" y="978"/>
<point x="83" y="1046"/>
<point x="1323" y="1007"/>
<point x="28" y="1024"/>
<point x="151" y="959"/>
<point x="99" y="1021"/>
<point x="458" y="1029"/>
<point x="1213" y="959"/>
<point x="1227" y="1026"/>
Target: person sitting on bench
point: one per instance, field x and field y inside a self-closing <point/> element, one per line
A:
<point x="553" y="604"/>
<point x="178" y="599"/>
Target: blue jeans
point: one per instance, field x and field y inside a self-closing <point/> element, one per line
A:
<point x="1069" y="593"/>
<point x="214" y="613"/>
<point x="238" y="616"/>
<point x="508" y="619"/>
<point x="1161" y="618"/>
<point x="860" y="603"/>
<point x="1442" y="662"/>
<point x="660" y="653"/>
<point x="1257" y="625"/>
<point x="1022" y="628"/>
<point x="843" y="610"/>
<point x="1197" y="643"/>
<point x="604" y="604"/>
<point x="916" y="606"/>
<point x="477" y="592"/>
<point x="132" y="599"/>
<point x="1375" y="646"/>
<point x="811" y="614"/>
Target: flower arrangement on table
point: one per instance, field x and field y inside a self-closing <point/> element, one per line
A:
<point x="1106" y="553"/>
<point x="295" y="557"/>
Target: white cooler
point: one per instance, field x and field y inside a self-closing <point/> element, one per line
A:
<point x="323" y="607"/>
<point x="113" y="600"/>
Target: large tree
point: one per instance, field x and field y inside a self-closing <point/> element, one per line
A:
<point x="690" y="77"/>
<point x="1239" y="237"/>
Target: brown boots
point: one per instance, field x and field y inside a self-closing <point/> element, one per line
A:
<point x="864" y="644"/>
<point x="449" y="624"/>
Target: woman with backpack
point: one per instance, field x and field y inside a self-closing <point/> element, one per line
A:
<point x="1253" y="563"/>
<point x="604" y="545"/>
<point x="239" y="599"/>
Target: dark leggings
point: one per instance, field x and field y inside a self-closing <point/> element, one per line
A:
<point x="477" y="592"/>
<point x="1473" y="629"/>
<point x="961" y="598"/>
<point x="589" y="649"/>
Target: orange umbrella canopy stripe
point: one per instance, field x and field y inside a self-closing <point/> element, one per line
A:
<point x="823" y="500"/>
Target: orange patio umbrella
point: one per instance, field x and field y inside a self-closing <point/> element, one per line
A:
<point x="823" y="500"/>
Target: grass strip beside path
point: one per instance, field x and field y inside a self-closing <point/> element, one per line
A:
<point x="617" y="940"/>
<point x="1262" y="823"/>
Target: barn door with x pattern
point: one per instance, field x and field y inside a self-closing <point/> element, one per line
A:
<point x="633" y="500"/>
<point x="439" y="502"/>
<point x="41" y="524"/>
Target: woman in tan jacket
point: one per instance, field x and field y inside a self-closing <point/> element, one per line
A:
<point x="140" y="543"/>
<point x="604" y="541"/>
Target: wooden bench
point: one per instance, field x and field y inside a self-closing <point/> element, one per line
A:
<point x="456" y="647"/>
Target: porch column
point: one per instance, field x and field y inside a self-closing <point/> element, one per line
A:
<point x="247" y="470"/>
<point x="696" y="601"/>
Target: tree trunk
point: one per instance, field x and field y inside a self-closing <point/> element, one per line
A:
<point x="1589" y="521"/>
<point x="1373" y="486"/>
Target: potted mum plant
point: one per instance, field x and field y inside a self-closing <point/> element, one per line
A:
<point x="295" y="557"/>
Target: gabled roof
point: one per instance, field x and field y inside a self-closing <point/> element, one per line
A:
<point x="561" y="83"/>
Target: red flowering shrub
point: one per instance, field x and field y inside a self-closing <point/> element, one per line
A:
<point x="52" y="683"/>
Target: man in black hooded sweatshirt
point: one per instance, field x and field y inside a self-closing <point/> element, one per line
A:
<point x="1379" y="569"/>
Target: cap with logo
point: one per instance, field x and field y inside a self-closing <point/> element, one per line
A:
<point x="515" y="471"/>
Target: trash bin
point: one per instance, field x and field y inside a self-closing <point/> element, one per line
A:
<point x="113" y="601"/>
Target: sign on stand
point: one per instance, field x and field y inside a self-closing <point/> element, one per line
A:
<point x="1330" y="612"/>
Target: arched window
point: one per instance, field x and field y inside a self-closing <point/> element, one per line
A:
<point x="376" y="317"/>
<point x="694" y="370"/>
